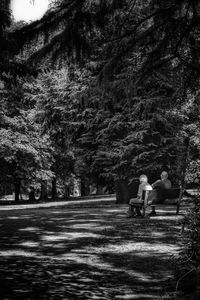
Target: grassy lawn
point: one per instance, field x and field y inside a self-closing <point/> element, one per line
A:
<point x="86" y="253"/>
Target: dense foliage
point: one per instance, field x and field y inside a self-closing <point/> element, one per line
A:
<point x="118" y="94"/>
<point x="189" y="260"/>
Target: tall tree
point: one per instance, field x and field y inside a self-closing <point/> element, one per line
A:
<point x="25" y="155"/>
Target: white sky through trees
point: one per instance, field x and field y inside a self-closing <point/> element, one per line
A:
<point x="28" y="10"/>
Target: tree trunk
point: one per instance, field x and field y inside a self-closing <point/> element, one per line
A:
<point x="125" y="191"/>
<point x="99" y="190"/>
<point x="32" y="195"/>
<point x="17" y="189"/>
<point x="54" y="189"/>
<point x="43" y="193"/>
<point x="185" y="161"/>
<point x="83" y="187"/>
<point x="122" y="195"/>
<point x="66" y="191"/>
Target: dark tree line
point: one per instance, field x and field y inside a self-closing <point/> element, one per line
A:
<point x="129" y="103"/>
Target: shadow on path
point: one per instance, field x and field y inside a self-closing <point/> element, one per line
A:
<point x="91" y="253"/>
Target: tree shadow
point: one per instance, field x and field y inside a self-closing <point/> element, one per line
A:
<point x="93" y="253"/>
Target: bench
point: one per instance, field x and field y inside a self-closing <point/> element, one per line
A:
<point x="159" y="197"/>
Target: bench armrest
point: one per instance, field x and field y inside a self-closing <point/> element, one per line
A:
<point x="149" y="197"/>
<point x="146" y="196"/>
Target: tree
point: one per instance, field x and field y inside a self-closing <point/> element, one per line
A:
<point x="25" y="156"/>
<point x="123" y="134"/>
<point x="146" y="58"/>
<point x="54" y="95"/>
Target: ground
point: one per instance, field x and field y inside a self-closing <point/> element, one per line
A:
<point x="93" y="252"/>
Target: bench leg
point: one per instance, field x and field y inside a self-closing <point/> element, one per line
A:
<point x="131" y="210"/>
<point x="143" y="211"/>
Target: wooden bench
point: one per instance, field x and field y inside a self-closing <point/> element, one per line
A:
<point x="159" y="197"/>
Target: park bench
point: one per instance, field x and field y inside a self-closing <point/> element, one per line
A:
<point x="159" y="197"/>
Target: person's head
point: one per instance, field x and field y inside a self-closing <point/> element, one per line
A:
<point x="143" y="178"/>
<point x="164" y="175"/>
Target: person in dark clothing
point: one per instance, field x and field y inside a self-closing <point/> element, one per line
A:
<point x="162" y="184"/>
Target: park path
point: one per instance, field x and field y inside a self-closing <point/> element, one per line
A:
<point x="86" y="253"/>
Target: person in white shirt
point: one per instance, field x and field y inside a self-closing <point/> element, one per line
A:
<point x="134" y="210"/>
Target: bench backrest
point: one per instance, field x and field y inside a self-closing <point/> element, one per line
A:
<point x="171" y="193"/>
<point x="162" y="194"/>
<point x="152" y="195"/>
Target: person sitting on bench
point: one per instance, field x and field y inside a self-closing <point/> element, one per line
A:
<point x="162" y="184"/>
<point x="134" y="210"/>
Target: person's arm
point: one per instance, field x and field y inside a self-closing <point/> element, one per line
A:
<point x="155" y="184"/>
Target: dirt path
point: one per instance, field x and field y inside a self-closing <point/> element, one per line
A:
<point x="87" y="253"/>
